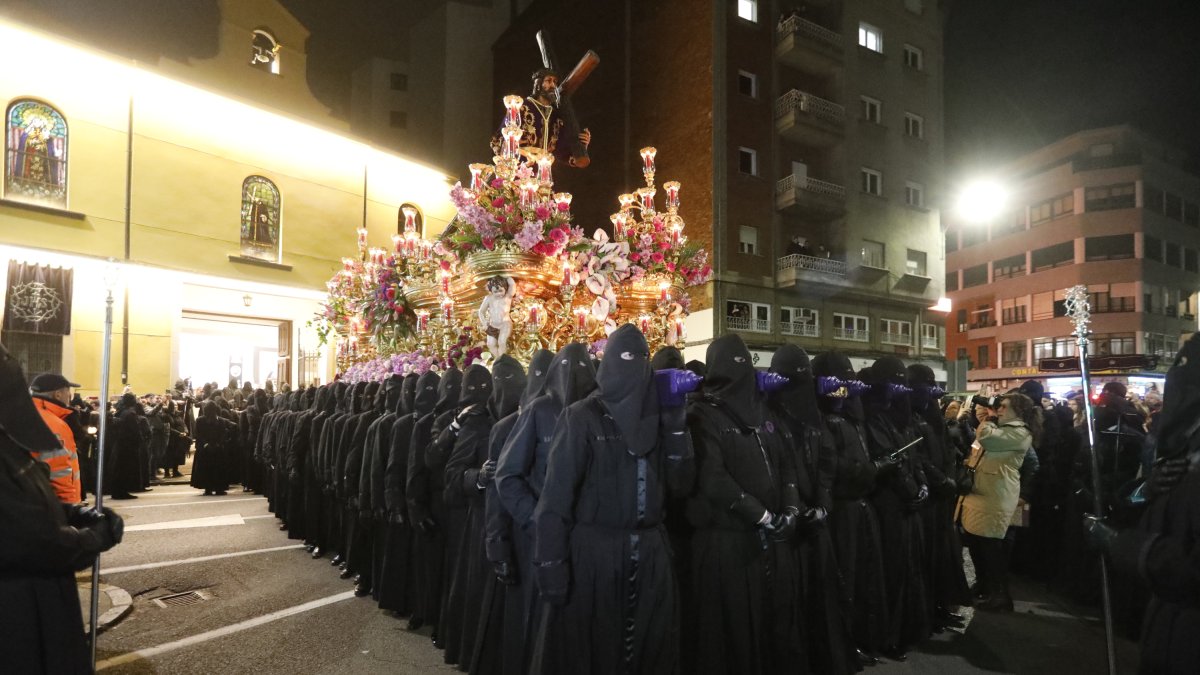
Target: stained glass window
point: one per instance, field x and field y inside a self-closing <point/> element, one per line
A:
<point x="260" y="219"/>
<point x="35" y="156"/>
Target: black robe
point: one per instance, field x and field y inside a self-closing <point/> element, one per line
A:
<point x="210" y="470"/>
<point x="425" y="506"/>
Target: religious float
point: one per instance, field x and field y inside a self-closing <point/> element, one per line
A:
<point x="513" y="273"/>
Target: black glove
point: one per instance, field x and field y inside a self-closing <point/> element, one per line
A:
<point x="1097" y="534"/>
<point x="922" y="495"/>
<point x="486" y="473"/>
<point x="506" y="572"/>
<point x="885" y="465"/>
<point x="427" y="526"/>
<point x="97" y="537"/>
<point x="1165" y="475"/>
<point x="815" y="517"/>
<point x="674" y="419"/>
<point x="82" y="515"/>
<point x="553" y="579"/>
<point x="947" y="488"/>
<point x="397" y="517"/>
<point x="116" y="524"/>
<point x="782" y="525"/>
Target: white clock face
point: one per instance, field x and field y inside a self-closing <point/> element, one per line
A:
<point x="235" y="371"/>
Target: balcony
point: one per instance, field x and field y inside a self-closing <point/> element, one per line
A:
<point x="748" y="324"/>
<point x="810" y="120"/>
<point x="800" y="328"/>
<point x="810" y="197"/>
<point x="928" y="342"/>
<point x="851" y="334"/>
<point x="897" y="339"/>
<point x="795" y="269"/>
<point x="808" y="47"/>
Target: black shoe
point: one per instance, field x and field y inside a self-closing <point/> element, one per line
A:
<point x="865" y="659"/>
<point x="123" y="495"/>
<point x="336" y="560"/>
<point x="415" y="623"/>
<point x="309" y="547"/>
<point x="357" y="579"/>
<point x="361" y="589"/>
<point x="282" y="527"/>
<point x="317" y="552"/>
<point x="895" y="654"/>
<point x="221" y="493"/>
<point x="346" y="573"/>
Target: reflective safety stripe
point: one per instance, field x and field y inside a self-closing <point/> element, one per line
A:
<point x="47" y="455"/>
<point x="61" y="473"/>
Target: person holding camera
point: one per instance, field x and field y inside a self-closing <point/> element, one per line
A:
<point x="1005" y="434"/>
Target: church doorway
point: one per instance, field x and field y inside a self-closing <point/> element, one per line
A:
<point x="218" y="348"/>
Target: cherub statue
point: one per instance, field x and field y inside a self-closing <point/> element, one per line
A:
<point x="494" y="314"/>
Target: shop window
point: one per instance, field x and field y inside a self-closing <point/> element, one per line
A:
<point x="261" y="228"/>
<point x="35" y="159"/>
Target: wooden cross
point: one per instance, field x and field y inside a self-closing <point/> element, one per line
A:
<point x="568" y="86"/>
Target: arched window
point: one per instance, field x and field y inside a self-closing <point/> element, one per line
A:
<point x="261" y="229"/>
<point x="264" y="51"/>
<point x="35" y="154"/>
<point x="410" y="218"/>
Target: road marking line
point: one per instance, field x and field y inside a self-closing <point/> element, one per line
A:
<point x="211" y="521"/>
<point x="150" y="652"/>
<point x="203" y="558"/>
<point x="202" y="503"/>
<point x="267" y="515"/>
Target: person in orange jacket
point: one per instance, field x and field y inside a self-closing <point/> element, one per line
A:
<point x="52" y="398"/>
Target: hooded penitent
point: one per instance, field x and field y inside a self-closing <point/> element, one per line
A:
<point x="572" y="375"/>
<point x="408" y="392"/>
<point x="626" y="386"/>
<point x="1176" y="432"/>
<point x="449" y="389"/>
<point x="476" y="387"/>
<point x="508" y="386"/>
<point x="535" y="381"/>
<point x="731" y="381"/>
<point x="889" y="389"/>
<point x="798" y="398"/>
<point x="666" y="357"/>
<point x="393" y="388"/>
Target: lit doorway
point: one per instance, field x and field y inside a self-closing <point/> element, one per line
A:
<point x="217" y="348"/>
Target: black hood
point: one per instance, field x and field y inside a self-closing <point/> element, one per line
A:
<point x="354" y="406"/>
<point x="832" y="364"/>
<point x="697" y="367"/>
<point x="310" y="398"/>
<point x="341" y="397"/>
<point x="798" y="398"/>
<point x="368" y="397"/>
<point x="666" y="357"/>
<point x="209" y="410"/>
<point x="393" y="387"/>
<point x="408" y="392"/>
<point x="508" y="385"/>
<point x="19" y="419"/>
<point x="884" y="376"/>
<point x="731" y="380"/>
<point x="922" y="380"/>
<point x="1181" y="402"/>
<point x="449" y="389"/>
<point x="321" y="404"/>
<point x="572" y="375"/>
<point x="260" y="401"/>
<point x="476" y="386"/>
<point x="535" y="382"/>
<point x="625" y="383"/>
<point x="427" y="394"/>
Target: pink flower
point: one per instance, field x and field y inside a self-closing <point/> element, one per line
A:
<point x="498" y="202"/>
<point x="497" y="183"/>
<point x="489" y="243"/>
<point x="559" y="236"/>
<point x="670" y="267"/>
<point x="635" y="257"/>
<point x="664" y="244"/>
<point x="543" y="213"/>
<point x="446" y="265"/>
<point x="502" y="219"/>
<point x="564" y="207"/>
<point x="656" y="257"/>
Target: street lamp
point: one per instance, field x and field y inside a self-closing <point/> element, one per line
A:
<point x="981" y="200"/>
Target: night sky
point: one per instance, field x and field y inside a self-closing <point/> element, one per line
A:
<point x="1018" y="73"/>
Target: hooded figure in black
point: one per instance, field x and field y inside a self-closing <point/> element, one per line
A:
<point x="944" y="578"/>
<point x="501" y="647"/>
<point x="210" y="469"/>
<point x="744" y="571"/>
<point x="1162" y="550"/>
<point x="299" y="455"/>
<point x="400" y="592"/>
<point x="472" y="407"/>
<point x="342" y="434"/>
<point x="358" y="535"/>
<point x="469" y="473"/>
<point x="667" y="357"/>
<point x="900" y="495"/>
<point x="521" y="477"/>
<point x="314" y="511"/>
<point x="327" y="448"/>
<point x="393" y="538"/>
<point x="372" y="511"/>
<point x="852" y="521"/>
<point x="45" y="543"/>
<point x="830" y="639"/>
<point x="248" y="428"/>
<point x="602" y="556"/>
<point x="122" y="471"/>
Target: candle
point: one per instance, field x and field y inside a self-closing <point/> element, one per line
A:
<point x="447" y="308"/>
<point x="566" y="280"/>
<point x="618" y="221"/>
<point x="398" y="243"/>
<point x="648" y="161"/>
<point x="422" y="320"/>
<point x="672" y="189"/>
<point x="543" y="169"/>
<point x="581" y="318"/>
<point x="529" y="190"/>
<point x="678" y="329"/>
<point x="347" y="263"/>
<point x="410" y="219"/>
<point x="676" y="230"/>
<point x="512" y="104"/>
<point x="563" y="201"/>
<point x="477" y="177"/>
<point x="626" y="200"/>
<point x="445" y="282"/>
<point x="646" y="195"/>
<point x="663" y="288"/>
<point x="512" y="142"/>
<point x="644" y="323"/>
<point x="362" y="239"/>
<point x="533" y="314"/>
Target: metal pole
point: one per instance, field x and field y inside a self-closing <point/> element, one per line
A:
<point x="107" y="354"/>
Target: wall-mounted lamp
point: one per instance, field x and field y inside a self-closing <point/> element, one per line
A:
<point x="247" y="299"/>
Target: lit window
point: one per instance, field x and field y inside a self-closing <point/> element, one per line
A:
<point x="872" y="254"/>
<point x="851" y="327"/>
<point x="872" y="181"/>
<point x="914" y="58"/>
<point x="914" y="194"/>
<point x="871" y="109"/>
<point x="914" y="125"/>
<point x="264" y="52"/>
<point x="35" y="166"/>
<point x="260" y="219"/>
<point x="748" y="161"/>
<point x="870" y="37"/>
<point x="748" y="10"/>
<point x="896" y="332"/>
<point x="747" y="84"/>
<point x="800" y="321"/>
<point x="744" y="315"/>
<point x="915" y="263"/>
<point x="748" y="240"/>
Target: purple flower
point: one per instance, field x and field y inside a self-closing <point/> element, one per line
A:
<point x="530" y="235"/>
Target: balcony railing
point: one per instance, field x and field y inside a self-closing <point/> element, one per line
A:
<point x="1112" y="305"/>
<point x="810" y="30"/>
<point x="796" y="100"/>
<point x="929" y="342"/>
<point x="983" y="323"/>
<point x="808" y="184"/>
<point x="807" y="262"/>
<point x="896" y="339"/>
<point x="747" y="323"/>
<point x="801" y="328"/>
<point x="851" y="334"/>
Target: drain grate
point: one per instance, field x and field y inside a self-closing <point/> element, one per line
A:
<point x="181" y="599"/>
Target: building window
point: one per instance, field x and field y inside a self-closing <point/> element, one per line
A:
<point x="1173" y="207"/>
<point x="952" y="281"/>
<point x="1013" y="354"/>
<point x="1050" y="209"/>
<point x="1110" y="197"/>
<point x="748" y="240"/>
<point x="914" y="58"/>
<point x="399" y="82"/>
<point x="929" y="336"/>
<point x="1190" y="260"/>
<point x="983" y="317"/>
<point x="1053" y="256"/>
<point x="261" y="228"/>
<point x="1152" y="247"/>
<point x="398" y="119"/>
<point x="264" y="52"/>
<point x="751" y="316"/>
<point x="984" y="360"/>
<point x="747" y="84"/>
<point x="851" y="327"/>
<point x="1013" y="311"/>
<point x="1006" y="268"/>
<point x="36" y="352"/>
<point x="975" y="276"/>
<point x="799" y="321"/>
<point x="1114" y="247"/>
<point x="871" y="109"/>
<point x="915" y="263"/>
<point x="914" y="194"/>
<point x="896" y="332"/>
<point x="35" y="156"/>
<point x="1113" y="343"/>
<point x="748" y="10"/>
<point x="870" y="37"/>
<point x="960" y="354"/>
<point x="961" y="320"/>
<point x="1191" y="214"/>
<point x="1152" y="198"/>
<point x="748" y="161"/>
<point x="872" y="181"/>
<point x="872" y="254"/>
<point x="1111" y="298"/>
<point x="951" y="241"/>
<point x="914" y="125"/>
<point x="1173" y="257"/>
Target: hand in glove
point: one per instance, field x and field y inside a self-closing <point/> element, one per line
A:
<point x="82" y="515"/>
<point x="397" y="517"/>
<point x="815" y="517"/>
<point x="782" y="525"/>
<point x="506" y="572"/>
<point x="885" y="465"/>
<point x="922" y="495"/>
<point x="1166" y="475"/>
<point x="1098" y="535"/>
<point x="486" y="473"/>
<point x="427" y="527"/>
<point x="456" y="423"/>
<point x="553" y="579"/>
<point x="116" y="525"/>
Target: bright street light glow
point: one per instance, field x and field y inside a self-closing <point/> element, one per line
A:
<point x="981" y="201"/>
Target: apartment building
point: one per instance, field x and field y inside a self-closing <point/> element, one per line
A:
<point x="1109" y="208"/>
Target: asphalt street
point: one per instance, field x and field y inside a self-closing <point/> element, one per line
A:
<point x="268" y="607"/>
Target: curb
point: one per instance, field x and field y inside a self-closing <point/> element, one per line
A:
<point x="122" y="604"/>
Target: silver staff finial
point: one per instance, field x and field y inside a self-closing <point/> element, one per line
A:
<point x="1079" y="309"/>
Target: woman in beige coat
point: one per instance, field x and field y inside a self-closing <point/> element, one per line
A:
<point x="1000" y="445"/>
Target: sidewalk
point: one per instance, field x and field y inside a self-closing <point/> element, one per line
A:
<point x="114" y="603"/>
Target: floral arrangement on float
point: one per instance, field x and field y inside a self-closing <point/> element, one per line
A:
<point x="513" y="273"/>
